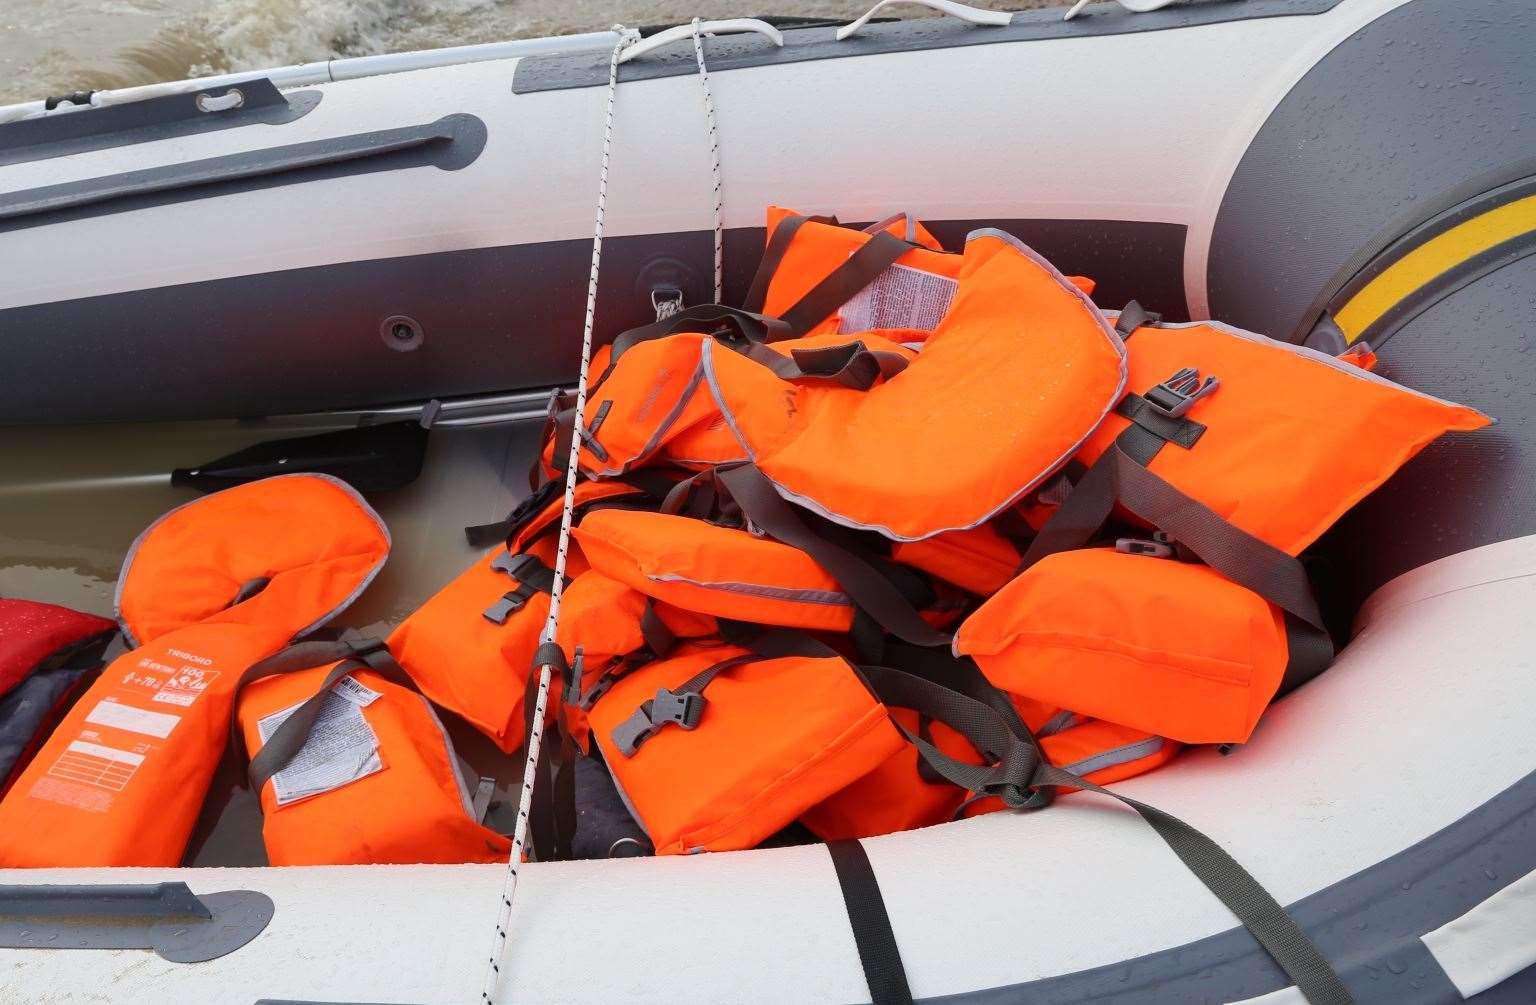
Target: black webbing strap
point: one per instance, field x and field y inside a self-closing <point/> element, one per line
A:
<point x="659" y="639"/>
<point x="1132" y="317"/>
<point x="709" y="319"/>
<point x="1021" y="773"/>
<point x="849" y="365"/>
<point x="872" y="933"/>
<point x="552" y="808"/>
<point x="773" y="256"/>
<point x="764" y="507"/>
<point x="837" y="288"/>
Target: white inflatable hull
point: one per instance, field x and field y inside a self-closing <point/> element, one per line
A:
<point x="1385" y="801"/>
<point x="1362" y="778"/>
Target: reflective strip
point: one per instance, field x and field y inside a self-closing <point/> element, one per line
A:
<point x="1119" y="755"/>
<point x="828" y="597"/>
<point x="1432" y="259"/>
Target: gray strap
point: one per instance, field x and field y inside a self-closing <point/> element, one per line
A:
<point x="1021" y="773"/>
<point x="849" y="365"/>
<point x="284" y="745"/>
<point x="862" y="267"/>
<point x="871" y="591"/>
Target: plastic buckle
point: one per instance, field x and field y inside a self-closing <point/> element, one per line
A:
<point x="510" y="603"/>
<point x="683" y="710"/>
<point x="1161" y="546"/>
<point x="511" y="564"/>
<point x="679" y="708"/>
<point x="1175" y="396"/>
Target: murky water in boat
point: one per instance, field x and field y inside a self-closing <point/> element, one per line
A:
<point x="54" y="46"/>
<point x="72" y="499"/>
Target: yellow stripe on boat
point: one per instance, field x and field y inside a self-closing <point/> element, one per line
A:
<point x="1434" y="258"/>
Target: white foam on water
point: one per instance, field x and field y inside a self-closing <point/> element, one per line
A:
<point x="50" y="47"/>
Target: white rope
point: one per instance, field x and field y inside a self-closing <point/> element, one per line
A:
<point x="714" y="160"/>
<point x="541" y="702"/>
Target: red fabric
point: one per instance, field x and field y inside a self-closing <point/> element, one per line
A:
<point x="30" y="632"/>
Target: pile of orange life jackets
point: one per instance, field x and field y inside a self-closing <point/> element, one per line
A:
<point x="909" y="535"/>
<point x="803" y="524"/>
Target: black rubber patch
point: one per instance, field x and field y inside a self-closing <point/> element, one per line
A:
<point x="164" y="118"/>
<point x="589" y="68"/>
<point x="165" y="917"/>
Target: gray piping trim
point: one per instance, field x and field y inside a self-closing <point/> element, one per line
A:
<point x="666" y="423"/>
<point x="133" y="550"/>
<point x="707" y="364"/>
<point x="1332" y="362"/>
<point x="830" y="598"/>
<point x="1119" y="755"/>
<point x="1104" y="327"/>
<point x="455" y="764"/>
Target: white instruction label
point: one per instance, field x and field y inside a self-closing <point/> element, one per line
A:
<point x="341" y="747"/>
<point x="900" y="297"/>
<point x="350" y="689"/>
<point x="135" y="720"/>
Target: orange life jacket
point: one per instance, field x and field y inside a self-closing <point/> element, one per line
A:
<point x="207" y="590"/>
<point x="356" y="768"/>
<point x="1285" y="439"/>
<point x="1239" y="452"/>
<point x="715" y="748"/>
<point x="470" y="647"/>
<point x="1018" y="345"/>
<point x="1172" y="648"/>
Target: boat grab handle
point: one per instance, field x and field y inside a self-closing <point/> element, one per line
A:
<point x="971" y="15"/>
<point x="450" y="143"/>
<point x="731" y="26"/>
<point x="166" y="917"/>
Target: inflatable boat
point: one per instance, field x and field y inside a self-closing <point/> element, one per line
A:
<point x="198" y="267"/>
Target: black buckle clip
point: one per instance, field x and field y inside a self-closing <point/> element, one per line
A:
<point x="1161" y="546"/>
<point x="1174" y="396"/>
<point x="679" y="709"/>
<point x="511" y="564"/>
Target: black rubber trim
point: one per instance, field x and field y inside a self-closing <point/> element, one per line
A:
<point x="1370" y="923"/>
<point x="452" y="142"/>
<point x="589" y="68"/>
<point x="164" y="118"/>
<point x="151" y="354"/>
